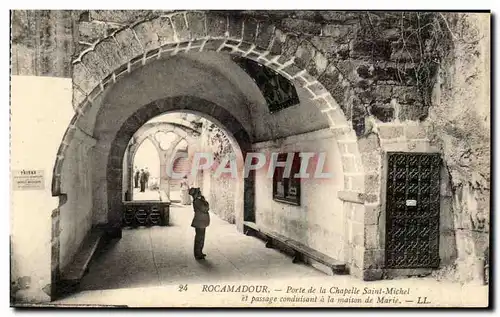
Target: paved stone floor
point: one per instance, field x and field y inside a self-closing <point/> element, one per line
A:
<point x="164" y="255"/>
<point x="146" y="267"/>
<point x="146" y="195"/>
<point x="175" y="195"/>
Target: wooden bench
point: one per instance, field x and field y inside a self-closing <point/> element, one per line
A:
<point x="300" y="249"/>
<point x="74" y="272"/>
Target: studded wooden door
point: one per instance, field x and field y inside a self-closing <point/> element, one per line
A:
<point x="412" y="210"/>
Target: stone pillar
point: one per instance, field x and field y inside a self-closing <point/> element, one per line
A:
<point x="131" y="151"/>
<point x="165" y="161"/>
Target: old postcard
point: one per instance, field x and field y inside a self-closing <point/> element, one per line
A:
<point x="250" y="158"/>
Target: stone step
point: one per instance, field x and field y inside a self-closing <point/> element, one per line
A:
<point x="300" y="249"/>
<point x="75" y="271"/>
<point x="337" y="267"/>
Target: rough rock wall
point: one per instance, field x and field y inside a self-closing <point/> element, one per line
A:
<point x="381" y="55"/>
<point x="460" y="125"/>
<point x="43" y="42"/>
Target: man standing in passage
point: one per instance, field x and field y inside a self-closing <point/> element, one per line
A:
<point x="146" y="172"/>
<point x="136" y="177"/>
<point x="200" y="221"/>
<point x="142" y="179"/>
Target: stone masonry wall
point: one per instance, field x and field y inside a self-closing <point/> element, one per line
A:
<point x="460" y="127"/>
<point x="43" y="42"/>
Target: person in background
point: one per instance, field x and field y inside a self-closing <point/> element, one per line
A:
<point x="185" y="198"/>
<point x="200" y="221"/>
<point x="142" y="179"/>
<point x="146" y="172"/>
<point x="136" y="177"/>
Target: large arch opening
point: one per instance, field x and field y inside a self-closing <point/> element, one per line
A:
<point x="210" y="84"/>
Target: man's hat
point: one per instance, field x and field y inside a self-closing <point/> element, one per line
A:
<point x="193" y="191"/>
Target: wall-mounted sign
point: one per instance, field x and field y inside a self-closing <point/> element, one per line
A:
<point x="411" y="203"/>
<point x="28" y="180"/>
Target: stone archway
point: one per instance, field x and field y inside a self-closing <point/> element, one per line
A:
<point x="148" y="131"/>
<point x="141" y="116"/>
<point x="130" y="48"/>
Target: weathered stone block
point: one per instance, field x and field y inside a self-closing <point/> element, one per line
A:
<point x="391" y="34"/>
<point x="336" y="117"/>
<point x="383" y="93"/>
<point x="235" y="27"/>
<point x="395" y="146"/>
<point x="358" y="234"/>
<point x="394" y="75"/>
<point x="292" y="69"/>
<point x="213" y="45"/>
<point x="405" y="52"/>
<point x="278" y="42"/>
<point x="318" y="65"/>
<point x="371" y="198"/>
<point x="265" y="35"/>
<point x="373" y="258"/>
<point x="108" y="57"/>
<point x="128" y="45"/>
<point x="365" y="71"/>
<point x="340" y="16"/>
<point x="164" y="29"/>
<point x="196" y="24"/>
<point x="358" y="213"/>
<point x="250" y="30"/>
<point x="372" y="214"/>
<point x="323" y="105"/>
<point x="351" y="196"/>
<point x="119" y="16"/>
<point x="349" y="164"/>
<point x="332" y="80"/>
<point x="216" y="25"/>
<point x="289" y="48"/>
<point x="358" y="118"/>
<point x="406" y="94"/>
<point x="358" y="253"/>
<point x="390" y="131"/>
<point x="342" y="33"/>
<point x="383" y="112"/>
<point x="301" y="26"/>
<point x="371" y="161"/>
<point x="87" y="77"/>
<point x="413" y="112"/>
<point x="344" y="133"/>
<point x="372" y="240"/>
<point x="415" y="131"/>
<point x="318" y="89"/>
<point x="418" y="145"/>
<point x="369" y="143"/>
<point x="78" y="97"/>
<point x="90" y="32"/>
<point x="372" y="274"/>
<point x="181" y="29"/>
<point x="329" y="45"/>
<point x="372" y="184"/>
<point x="146" y="33"/>
<point x="371" y="49"/>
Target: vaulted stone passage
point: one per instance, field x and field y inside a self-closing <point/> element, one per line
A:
<point x="165" y="136"/>
<point x="129" y="50"/>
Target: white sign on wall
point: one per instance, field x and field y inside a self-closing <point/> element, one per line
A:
<point x="28" y="180"/>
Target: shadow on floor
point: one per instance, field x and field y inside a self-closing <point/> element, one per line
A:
<point x="159" y="256"/>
